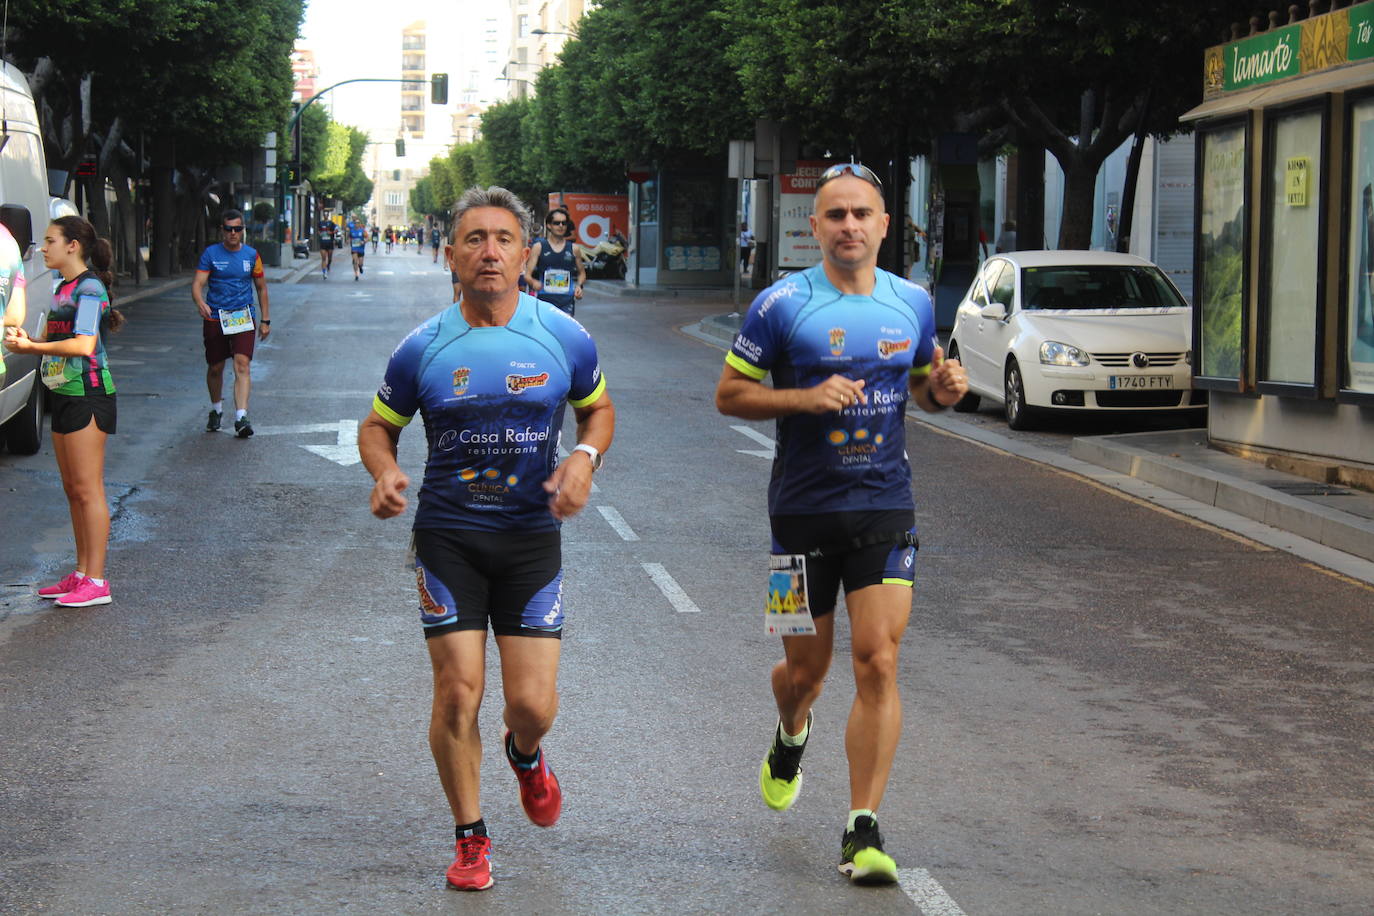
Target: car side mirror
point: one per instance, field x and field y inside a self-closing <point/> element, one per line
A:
<point x="996" y="311"/>
<point x="19" y="222"/>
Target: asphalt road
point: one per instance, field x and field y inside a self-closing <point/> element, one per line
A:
<point x="1109" y="709"/>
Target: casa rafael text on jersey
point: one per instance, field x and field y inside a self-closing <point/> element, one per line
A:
<point x="492" y="399"/>
<point x="803" y="330"/>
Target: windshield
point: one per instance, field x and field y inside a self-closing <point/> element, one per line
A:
<point x="1126" y="287"/>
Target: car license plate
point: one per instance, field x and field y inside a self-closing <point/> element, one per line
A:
<point x="1141" y="381"/>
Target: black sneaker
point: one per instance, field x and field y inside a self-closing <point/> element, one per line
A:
<point x="780" y="777"/>
<point x="242" y="428"/>
<point x="216" y="420"/>
<point x="862" y="859"/>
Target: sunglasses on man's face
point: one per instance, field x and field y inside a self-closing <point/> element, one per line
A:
<point x="861" y="172"/>
<point x="228" y="228"/>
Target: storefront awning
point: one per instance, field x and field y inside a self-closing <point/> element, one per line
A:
<point x="1340" y="80"/>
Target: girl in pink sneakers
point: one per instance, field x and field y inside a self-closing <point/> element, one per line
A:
<point x="76" y="370"/>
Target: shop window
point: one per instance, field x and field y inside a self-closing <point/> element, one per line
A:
<point x="1219" y="323"/>
<point x="1357" y="303"/>
<point x="1291" y="324"/>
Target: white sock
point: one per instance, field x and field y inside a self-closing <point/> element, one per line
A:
<point x="99" y="582"/>
<point x="217" y="407"/>
<point x="240" y="414"/>
<point x="798" y="739"/>
<point x="858" y="813"/>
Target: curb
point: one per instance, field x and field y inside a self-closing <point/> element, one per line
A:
<point x="1332" y="528"/>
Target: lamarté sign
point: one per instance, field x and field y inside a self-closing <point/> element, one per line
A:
<point x="1317" y="43"/>
<point x="1264" y="58"/>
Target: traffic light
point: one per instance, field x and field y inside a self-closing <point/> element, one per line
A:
<point x="438" y="89"/>
<point x="400" y="146"/>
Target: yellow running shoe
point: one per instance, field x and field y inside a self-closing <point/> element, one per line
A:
<point x="862" y="858"/>
<point x="780" y="776"/>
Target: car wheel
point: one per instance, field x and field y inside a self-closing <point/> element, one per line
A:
<point x="969" y="402"/>
<point x="1019" y="416"/>
<point x="24" y="431"/>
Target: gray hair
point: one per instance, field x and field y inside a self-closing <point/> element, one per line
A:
<point x="494" y="196"/>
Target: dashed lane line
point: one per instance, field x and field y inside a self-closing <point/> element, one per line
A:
<point x="927" y="893"/>
<point x="617" y="521"/>
<point x="671" y="590"/>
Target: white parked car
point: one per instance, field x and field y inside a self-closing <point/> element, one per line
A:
<point x="1074" y="330"/>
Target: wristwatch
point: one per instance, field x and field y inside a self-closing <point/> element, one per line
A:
<point x="592" y="453"/>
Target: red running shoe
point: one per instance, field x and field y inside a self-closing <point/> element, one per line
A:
<point x="471" y="870"/>
<point x="540" y="795"/>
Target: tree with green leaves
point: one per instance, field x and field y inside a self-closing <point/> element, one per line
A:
<point x="1077" y="79"/>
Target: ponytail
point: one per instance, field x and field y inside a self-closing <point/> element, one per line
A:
<point x="100" y="256"/>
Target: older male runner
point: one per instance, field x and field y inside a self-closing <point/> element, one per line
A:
<point x="222" y="290"/>
<point x="846" y="344"/>
<point x="491" y="375"/>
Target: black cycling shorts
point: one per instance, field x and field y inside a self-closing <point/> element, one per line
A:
<point x="72" y="413"/>
<point x="889" y="563"/>
<point x="467" y="578"/>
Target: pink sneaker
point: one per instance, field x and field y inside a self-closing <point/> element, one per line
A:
<point x="86" y="594"/>
<point x="71" y="581"/>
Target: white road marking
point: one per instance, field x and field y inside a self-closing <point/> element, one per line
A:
<point x="343" y="452"/>
<point x="671" y="590"/>
<point x="927" y="893"/>
<point x="386" y="273"/>
<point x="617" y="521"/>
<point x="758" y="437"/>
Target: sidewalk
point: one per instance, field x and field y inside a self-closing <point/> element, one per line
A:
<point x="1328" y="524"/>
<point x="126" y="292"/>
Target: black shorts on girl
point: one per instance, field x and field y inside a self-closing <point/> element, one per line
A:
<point x="892" y="562"/>
<point x="466" y="578"/>
<point x="72" y="413"/>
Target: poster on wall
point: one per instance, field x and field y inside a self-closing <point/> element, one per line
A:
<point x="1360" y="310"/>
<point x="694" y="227"/>
<point x="595" y="216"/>
<point x="797" y="248"/>
<point x="1221" y="253"/>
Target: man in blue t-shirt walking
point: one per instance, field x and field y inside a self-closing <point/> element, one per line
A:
<point x="228" y="273"/>
<point x="492" y="375"/>
<point x="847" y="345"/>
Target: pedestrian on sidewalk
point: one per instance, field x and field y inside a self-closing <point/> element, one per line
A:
<point x="76" y="371"/>
<point x="501" y="367"/>
<point x="228" y="273"/>
<point x="554" y="262"/>
<point x="846" y="344"/>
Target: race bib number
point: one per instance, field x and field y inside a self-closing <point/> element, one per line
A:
<point x="557" y="281"/>
<point x="236" y="322"/>
<point x="53" y="371"/>
<point x="787" y="612"/>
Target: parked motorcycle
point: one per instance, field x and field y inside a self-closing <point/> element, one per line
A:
<point x="605" y="259"/>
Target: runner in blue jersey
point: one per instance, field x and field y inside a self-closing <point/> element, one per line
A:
<point x="491" y="375"/>
<point x="226" y="277"/>
<point x="357" y="241"/>
<point x="554" y="269"/>
<point x="847" y="346"/>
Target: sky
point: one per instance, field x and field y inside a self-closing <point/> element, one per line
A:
<point x="355" y="39"/>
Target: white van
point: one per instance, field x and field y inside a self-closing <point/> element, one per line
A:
<point x="26" y="208"/>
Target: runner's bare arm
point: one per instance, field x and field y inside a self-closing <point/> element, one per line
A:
<point x="377" y="440"/>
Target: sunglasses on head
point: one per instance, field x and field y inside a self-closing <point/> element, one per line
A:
<point x="227" y="228"/>
<point x="861" y="172"/>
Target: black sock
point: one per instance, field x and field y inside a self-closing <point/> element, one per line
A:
<point x="476" y="828"/>
<point x="521" y="760"/>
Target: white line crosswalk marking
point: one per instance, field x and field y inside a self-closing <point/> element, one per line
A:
<point x="671" y="590"/>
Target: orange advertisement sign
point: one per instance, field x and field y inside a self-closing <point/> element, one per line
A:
<point x="595" y="216"/>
